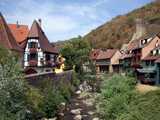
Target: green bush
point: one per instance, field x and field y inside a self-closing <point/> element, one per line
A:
<point x="65" y="89"/>
<point x="75" y="81"/>
<point x="116" y="93"/>
<point x="12" y="100"/>
<point x="119" y="100"/>
<point x="34" y="100"/>
<point x="54" y="94"/>
<point x="52" y="100"/>
<point x="12" y="88"/>
<point x="19" y="101"/>
<point x="143" y="107"/>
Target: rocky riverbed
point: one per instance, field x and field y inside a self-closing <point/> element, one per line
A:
<point x="81" y="106"/>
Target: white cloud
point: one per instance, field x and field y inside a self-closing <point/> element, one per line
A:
<point x="59" y="21"/>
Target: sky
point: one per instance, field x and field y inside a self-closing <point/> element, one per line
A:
<point x="65" y="19"/>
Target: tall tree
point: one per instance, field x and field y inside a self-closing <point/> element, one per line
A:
<point x="76" y="52"/>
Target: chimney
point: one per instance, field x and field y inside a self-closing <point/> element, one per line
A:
<point x="140" y="25"/>
<point x="17" y="24"/>
<point x="140" y="29"/>
<point x="40" y="22"/>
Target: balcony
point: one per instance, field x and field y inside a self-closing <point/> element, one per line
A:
<point x="33" y="63"/>
<point x="102" y="63"/>
<point x="49" y="63"/>
<point x="33" y="50"/>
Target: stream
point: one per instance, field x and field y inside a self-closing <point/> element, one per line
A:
<point x="81" y="106"/>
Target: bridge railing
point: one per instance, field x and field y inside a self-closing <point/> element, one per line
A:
<point x="37" y="79"/>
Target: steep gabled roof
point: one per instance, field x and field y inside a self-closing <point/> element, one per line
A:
<point x="37" y="32"/>
<point x="107" y="54"/>
<point x="94" y="53"/>
<point x="20" y="32"/>
<point x="6" y="38"/>
<point x="134" y="44"/>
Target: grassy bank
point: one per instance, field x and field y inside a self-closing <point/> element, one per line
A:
<point x="119" y="100"/>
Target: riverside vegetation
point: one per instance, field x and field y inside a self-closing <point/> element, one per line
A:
<point x="119" y="100"/>
<point x="117" y="97"/>
<point x="20" y="101"/>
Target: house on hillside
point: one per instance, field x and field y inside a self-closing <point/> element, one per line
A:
<point x="143" y="41"/>
<point x="138" y="50"/>
<point x="106" y="60"/>
<point x="39" y="54"/>
<point x="125" y="63"/>
<point x="7" y="39"/>
<point x="150" y="73"/>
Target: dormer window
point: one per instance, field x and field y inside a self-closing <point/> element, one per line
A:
<point x="130" y="51"/>
<point x="157" y="43"/>
<point x="157" y="52"/>
<point x="149" y="39"/>
<point x="143" y="41"/>
<point x="154" y="52"/>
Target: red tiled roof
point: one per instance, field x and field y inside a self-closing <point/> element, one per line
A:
<point x="6" y="38"/>
<point x="107" y="54"/>
<point x="124" y="56"/>
<point x="156" y="48"/>
<point x="151" y="57"/>
<point x="20" y="32"/>
<point x="133" y="45"/>
<point x="94" y="53"/>
<point x="37" y="32"/>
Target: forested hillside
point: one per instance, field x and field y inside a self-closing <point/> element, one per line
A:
<point x="121" y="28"/>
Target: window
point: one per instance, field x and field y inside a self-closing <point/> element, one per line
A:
<point x="157" y="52"/>
<point x="32" y="45"/>
<point x="152" y="63"/>
<point x="147" y="63"/>
<point x="33" y="56"/>
<point x="154" y="52"/>
<point x="48" y="57"/>
<point x="152" y="75"/>
<point x="157" y="43"/>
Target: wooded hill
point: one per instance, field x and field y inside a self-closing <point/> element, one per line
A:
<point x="121" y="28"/>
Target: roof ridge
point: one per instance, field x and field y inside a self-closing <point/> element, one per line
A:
<point x="37" y="32"/>
<point x="10" y="40"/>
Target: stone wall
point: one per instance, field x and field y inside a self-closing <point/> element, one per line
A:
<point x="37" y="79"/>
